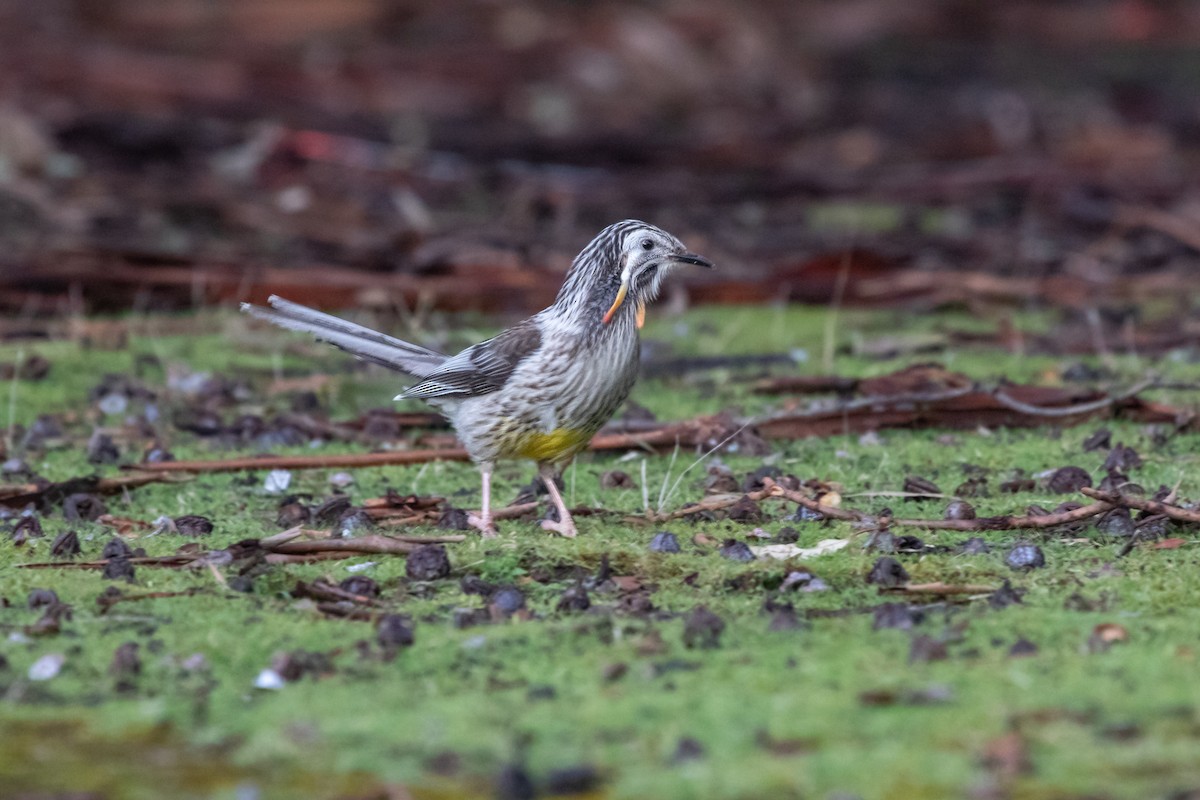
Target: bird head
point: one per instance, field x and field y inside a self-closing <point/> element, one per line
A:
<point x="623" y="268"/>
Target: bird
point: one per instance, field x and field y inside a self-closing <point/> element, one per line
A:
<point x="542" y="388"/>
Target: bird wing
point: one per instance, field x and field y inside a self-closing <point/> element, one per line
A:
<point x="365" y="343"/>
<point x="482" y="368"/>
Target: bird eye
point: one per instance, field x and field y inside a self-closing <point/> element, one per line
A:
<point x="647" y="244"/>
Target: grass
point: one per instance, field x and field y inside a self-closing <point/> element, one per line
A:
<point x="833" y="709"/>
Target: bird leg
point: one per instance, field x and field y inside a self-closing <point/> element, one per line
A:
<point x="483" y="520"/>
<point x="566" y="524"/>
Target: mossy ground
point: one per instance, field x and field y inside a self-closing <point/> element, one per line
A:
<point x="777" y="714"/>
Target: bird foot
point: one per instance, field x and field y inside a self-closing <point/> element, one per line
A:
<point x="565" y="529"/>
<point x="487" y="528"/>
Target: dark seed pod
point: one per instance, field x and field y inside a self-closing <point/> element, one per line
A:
<point x="702" y="629"/>
<point x="1116" y="523"/>
<point x="1068" y="480"/>
<point x="394" y="631"/>
<point x="116" y="548"/>
<point x="66" y="545"/>
<point x="960" y="509"/>
<point x="574" y="599"/>
<point x="428" y="563"/>
<point x="917" y="485"/>
<point x="193" y="525"/>
<point x="119" y="569"/>
<point x="85" y="507"/>
<point x="360" y="585"/>
<point x="41" y="597"/>
<point x="887" y="572"/>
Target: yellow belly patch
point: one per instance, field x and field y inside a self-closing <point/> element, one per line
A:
<point x="553" y="445"/>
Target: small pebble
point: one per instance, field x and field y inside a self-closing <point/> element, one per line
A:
<point x="736" y="550"/>
<point x="1025" y="556"/>
<point x="1116" y="523"/>
<point x="508" y="600"/>
<point x="974" y="546"/>
<point x="665" y="542"/>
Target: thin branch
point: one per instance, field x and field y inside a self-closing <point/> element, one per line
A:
<point x="710" y="503"/>
<point x="939" y="588"/>
<point x="19" y="494"/>
<point x="1007" y="522"/>
<point x="332" y="461"/>
<point x="1142" y="504"/>
<point x="325" y="591"/>
<point x="107" y="601"/>
<point x="373" y="544"/>
<point x="1078" y="408"/>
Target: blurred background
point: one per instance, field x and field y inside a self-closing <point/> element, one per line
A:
<point x="164" y="154"/>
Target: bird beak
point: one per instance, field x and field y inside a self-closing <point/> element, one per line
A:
<point x="679" y="258"/>
<point x="624" y="290"/>
<point x="692" y="258"/>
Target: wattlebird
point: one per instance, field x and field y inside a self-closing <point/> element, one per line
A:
<point x="541" y="389"/>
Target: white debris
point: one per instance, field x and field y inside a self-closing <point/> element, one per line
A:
<point x="782" y="551"/>
<point x="277" y="481"/>
<point x="270" y="680"/>
<point x="46" y="667"/>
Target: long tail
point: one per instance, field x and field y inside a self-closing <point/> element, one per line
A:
<point x="362" y="342"/>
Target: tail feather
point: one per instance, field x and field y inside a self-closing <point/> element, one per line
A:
<point x="369" y="345"/>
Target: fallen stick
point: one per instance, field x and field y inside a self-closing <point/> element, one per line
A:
<point x="326" y="592"/>
<point x="711" y="503"/>
<point x="373" y="544"/>
<point x="177" y="560"/>
<point x="1079" y="408"/>
<point x="1142" y="504"/>
<point x="1006" y="522"/>
<point x="281" y="558"/>
<point x="20" y="494"/>
<point x="513" y="512"/>
<point x="661" y="437"/>
<point x="332" y="461"/>
<point x="938" y="588"/>
<point x="107" y="601"/>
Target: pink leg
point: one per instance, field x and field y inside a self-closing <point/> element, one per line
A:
<point x="483" y="520"/>
<point x="566" y="524"/>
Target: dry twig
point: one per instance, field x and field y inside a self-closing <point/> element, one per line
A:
<point x="1001" y="523"/>
<point x="1142" y="504"/>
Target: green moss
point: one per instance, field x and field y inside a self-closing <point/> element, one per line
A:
<point x="778" y="714"/>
